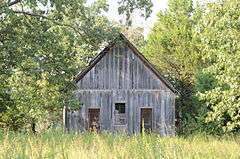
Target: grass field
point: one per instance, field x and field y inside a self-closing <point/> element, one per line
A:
<point x="58" y="145"/>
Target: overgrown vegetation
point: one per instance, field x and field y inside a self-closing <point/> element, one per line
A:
<point x="197" y="48"/>
<point x="44" y="43"/>
<point x="54" y="144"/>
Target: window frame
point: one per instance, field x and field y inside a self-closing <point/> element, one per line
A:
<point x="120" y="116"/>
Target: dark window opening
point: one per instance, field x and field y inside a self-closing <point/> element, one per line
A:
<point x="120" y="108"/>
<point x="120" y="114"/>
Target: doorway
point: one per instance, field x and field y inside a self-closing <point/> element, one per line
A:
<point x="94" y="117"/>
<point x="146" y="120"/>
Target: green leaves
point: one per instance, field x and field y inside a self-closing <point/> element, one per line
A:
<point x="198" y="48"/>
<point x="33" y="97"/>
<point x="128" y="6"/>
<point x="39" y="58"/>
<point x="43" y="44"/>
<point x="220" y="38"/>
<point x="172" y="48"/>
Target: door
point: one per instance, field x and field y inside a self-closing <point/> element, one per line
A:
<point x="146" y="120"/>
<point x="94" y="117"/>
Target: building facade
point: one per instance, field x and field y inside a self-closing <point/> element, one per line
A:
<point x="121" y="91"/>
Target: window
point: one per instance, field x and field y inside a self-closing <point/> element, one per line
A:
<point x="120" y="107"/>
<point x="120" y="114"/>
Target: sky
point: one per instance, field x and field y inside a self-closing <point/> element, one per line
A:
<point x="137" y="20"/>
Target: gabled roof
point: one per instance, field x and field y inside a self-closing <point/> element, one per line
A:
<point x="136" y="52"/>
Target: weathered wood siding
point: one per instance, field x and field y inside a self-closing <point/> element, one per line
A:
<point x="120" y="69"/>
<point x="120" y="76"/>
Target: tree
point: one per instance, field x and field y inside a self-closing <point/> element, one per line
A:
<point x="39" y="53"/>
<point x="172" y="47"/>
<point x="218" y="84"/>
<point x="134" y="34"/>
<point x="127" y="7"/>
<point x="43" y="45"/>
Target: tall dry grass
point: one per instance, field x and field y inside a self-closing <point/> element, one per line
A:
<point x="55" y="144"/>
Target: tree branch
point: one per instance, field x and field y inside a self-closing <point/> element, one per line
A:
<point x="58" y="23"/>
<point x="13" y="2"/>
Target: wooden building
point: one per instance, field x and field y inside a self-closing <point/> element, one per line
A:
<point x="121" y="91"/>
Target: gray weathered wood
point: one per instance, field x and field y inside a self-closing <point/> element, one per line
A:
<point x="121" y="76"/>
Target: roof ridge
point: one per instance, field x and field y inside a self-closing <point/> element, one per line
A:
<point x="97" y="58"/>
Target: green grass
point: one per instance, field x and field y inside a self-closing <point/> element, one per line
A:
<point x="55" y="144"/>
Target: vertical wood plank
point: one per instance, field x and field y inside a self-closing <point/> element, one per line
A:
<point x="126" y="78"/>
<point x="163" y="114"/>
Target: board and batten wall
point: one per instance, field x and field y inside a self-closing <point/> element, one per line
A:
<point x="121" y="76"/>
